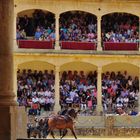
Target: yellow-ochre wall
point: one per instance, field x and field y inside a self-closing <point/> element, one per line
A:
<point x="96" y="7"/>
<point x="78" y="62"/>
<point x="36" y="65"/>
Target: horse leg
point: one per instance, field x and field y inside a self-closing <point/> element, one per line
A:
<point x="29" y="133"/>
<point x="45" y="132"/>
<point x="72" y="130"/>
<point x="64" y="133"/>
<point x="52" y="134"/>
<point x="60" y="132"/>
<point x="39" y="134"/>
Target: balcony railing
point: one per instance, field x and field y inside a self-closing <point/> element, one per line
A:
<point x="73" y="45"/>
<point x="35" y="44"/>
<point x="120" y="46"/>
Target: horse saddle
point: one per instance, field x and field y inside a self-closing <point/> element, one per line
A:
<point x="64" y="117"/>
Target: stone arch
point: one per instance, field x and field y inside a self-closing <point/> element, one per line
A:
<point x="131" y="14"/>
<point x="36" y="65"/>
<point x="31" y="9"/>
<point x="126" y="12"/>
<point x="77" y="10"/>
<point x="131" y="69"/>
<point x="78" y="66"/>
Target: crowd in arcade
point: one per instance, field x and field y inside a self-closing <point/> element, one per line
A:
<point x="35" y="90"/>
<point x="119" y="27"/>
<point x="79" y="26"/>
<point x="39" y="26"/>
<point x="119" y="92"/>
<point x="78" y="90"/>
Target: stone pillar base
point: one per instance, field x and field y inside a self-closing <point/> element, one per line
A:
<point x="99" y="48"/>
<point x="99" y="110"/>
<point x="10" y="120"/>
<point x="57" y="47"/>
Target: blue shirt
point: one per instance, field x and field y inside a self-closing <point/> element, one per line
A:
<point x="37" y="35"/>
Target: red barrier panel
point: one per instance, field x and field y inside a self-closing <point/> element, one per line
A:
<point x="35" y="44"/>
<point x="78" y="45"/>
<point x="120" y="46"/>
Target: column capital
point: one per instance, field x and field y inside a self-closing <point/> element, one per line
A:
<point x="57" y="68"/>
<point x="99" y="18"/>
<point x="57" y="16"/>
<point x="99" y="68"/>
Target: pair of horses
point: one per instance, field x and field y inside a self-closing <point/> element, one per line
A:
<point x="62" y="122"/>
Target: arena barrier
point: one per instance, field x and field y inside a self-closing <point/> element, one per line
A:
<point x="108" y="126"/>
<point x="104" y="126"/>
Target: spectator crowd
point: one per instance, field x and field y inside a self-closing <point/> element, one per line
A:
<point x="119" y="92"/>
<point x="35" y="90"/>
<point x="120" y="27"/>
<point x="40" y="26"/>
<point x="79" y="26"/>
<point x="78" y="90"/>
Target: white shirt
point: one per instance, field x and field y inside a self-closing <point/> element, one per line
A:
<point x="47" y="93"/>
<point x="41" y="100"/>
<point x="35" y="100"/>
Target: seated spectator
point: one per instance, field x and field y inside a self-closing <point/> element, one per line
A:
<point x="38" y="33"/>
<point x="47" y="104"/>
<point x="133" y="113"/>
<point x="23" y="34"/>
<point x="83" y="102"/>
<point x="42" y="102"/>
<point x="35" y="99"/>
<point x="69" y="101"/>
<point x="42" y="37"/>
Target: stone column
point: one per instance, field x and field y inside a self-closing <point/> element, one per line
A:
<point x="139" y="35"/>
<point x="99" y="91"/>
<point x="15" y="81"/>
<point x="57" y="45"/>
<point x="139" y="92"/>
<point x="57" y="91"/>
<point x="99" y="47"/>
<point x="6" y="52"/>
<point x="15" y="43"/>
<point x="8" y="106"/>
